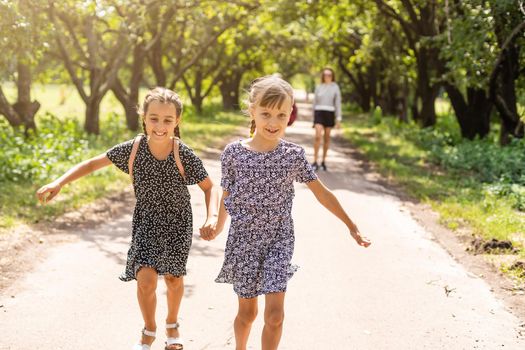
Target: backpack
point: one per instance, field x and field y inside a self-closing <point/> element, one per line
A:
<point x="293" y="115"/>
<point x="135" y="147"/>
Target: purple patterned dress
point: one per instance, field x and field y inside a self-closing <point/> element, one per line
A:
<point x="261" y="238"/>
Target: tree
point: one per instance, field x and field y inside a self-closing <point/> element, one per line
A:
<point x="93" y="46"/>
<point x="421" y="21"/>
<point x="212" y="64"/>
<point x="509" y="25"/>
<point x="467" y="50"/>
<point x="23" y="42"/>
<point x="145" y="27"/>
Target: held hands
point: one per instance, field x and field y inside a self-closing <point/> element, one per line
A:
<point x="48" y="192"/>
<point x="209" y="230"/>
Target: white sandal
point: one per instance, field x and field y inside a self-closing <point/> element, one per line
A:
<point x="145" y="346"/>
<point x="171" y="340"/>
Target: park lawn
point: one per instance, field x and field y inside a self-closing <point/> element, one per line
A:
<point x="462" y="202"/>
<point x="18" y="204"/>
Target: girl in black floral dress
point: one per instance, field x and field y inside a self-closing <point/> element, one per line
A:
<point x="257" y="179"/>
<point x="161" y="169"/>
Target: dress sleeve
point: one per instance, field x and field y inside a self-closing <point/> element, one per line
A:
<point x="119" y="155"/>
<point x="193" y="166"/>
<point x="305" y="172"/>
<point x="227" y="169"/>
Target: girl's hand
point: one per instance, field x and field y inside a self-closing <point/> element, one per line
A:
<point x="48" y="192"/>
<point x="208" y="230"/>
<point x="362" y="241"/>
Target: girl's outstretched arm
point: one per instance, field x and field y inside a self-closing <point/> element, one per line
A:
<point x="49" y="191"/>
<point x="330" y="202"/>
<point x="212" y="202"/>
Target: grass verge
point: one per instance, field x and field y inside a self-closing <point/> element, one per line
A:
<point x="457" y="194"/>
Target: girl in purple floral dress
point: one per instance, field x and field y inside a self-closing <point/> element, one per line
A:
<point x="257" y="179"/>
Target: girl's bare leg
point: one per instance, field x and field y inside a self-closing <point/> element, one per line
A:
<point x="317" y="140"/>
<point x="146" y="295"/>
<point x="243" y="322"/>
<point x="273" y="320"/>
<point x="175" y="287"/>
<point x="326" y="142"/>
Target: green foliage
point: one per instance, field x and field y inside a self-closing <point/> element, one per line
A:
<point x="38" y="157"/>
<point x="474" y="183"/>
<point x="468" y="45"/>
<point x="24" y="35"/>
<point x="484" y="160"/>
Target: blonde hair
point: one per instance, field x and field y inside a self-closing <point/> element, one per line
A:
<point x="162" y="95"/>
<point x="268" y="91"/>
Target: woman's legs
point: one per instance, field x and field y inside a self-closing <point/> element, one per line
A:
<point x="273" y="320"/>
<point x="243" y="322"/>
<point x="317" y="141"/>
<point x="146" y="288"/>
<point x="326" y="142"/>
<point x="175" y="291"/>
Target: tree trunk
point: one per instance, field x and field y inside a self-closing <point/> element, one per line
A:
<point x="92" y="123"/>
<point x="428" y="106"/>
<point x="23" y="112"/>
<point x="426" y="91"/>
<point x="365" y="90"/>
<point x="130" y="100"/>
<point x="229" y="88"/>
<point x="363" y="85"/>
<point x="24" y="107"/>
<point x="473" y="115"/>
<point x="195" y="91"/>
<point x="506" y="71"/>
<point x="505" y="99"/>
<point x="8" y="111"/>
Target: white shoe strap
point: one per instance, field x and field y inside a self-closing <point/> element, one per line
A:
<point x="149" y="333"/>
<point x="141" y="347"/>
<point x="172" y="325"/>
<point x="173" y="341"/>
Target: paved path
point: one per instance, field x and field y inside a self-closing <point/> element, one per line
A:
<point x="390" y="296"/>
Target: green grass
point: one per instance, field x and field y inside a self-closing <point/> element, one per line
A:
<point x="461" y="199"/>
<point x="22" y="208"/>
<point x="61" y="143"/>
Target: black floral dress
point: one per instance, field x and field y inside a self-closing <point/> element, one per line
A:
<point x="261" y="239"/>
<point x="162" y="219"/>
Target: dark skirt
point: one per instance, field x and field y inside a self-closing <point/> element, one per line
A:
<point x="325" y="118"/>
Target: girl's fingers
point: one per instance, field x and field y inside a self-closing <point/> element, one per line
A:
<point x="41" y="195"/>
<point x="365" y="242"/>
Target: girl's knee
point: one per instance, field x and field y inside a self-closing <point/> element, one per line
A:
<point x="147" y="279"/>
<point x="146" y="286"/>
<point x="274" y="317"/>
<point x="247" y="315"/>
<point x="173" y="282"/>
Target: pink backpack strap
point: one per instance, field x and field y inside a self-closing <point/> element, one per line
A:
<point x="134" y="149"/>
<point x="176" y="155"/>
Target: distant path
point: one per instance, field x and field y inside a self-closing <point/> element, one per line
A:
<point x="390" y="296"/>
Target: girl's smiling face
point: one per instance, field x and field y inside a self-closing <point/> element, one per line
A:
<point x="161" y="120"/>
<point x="270" y="122"/>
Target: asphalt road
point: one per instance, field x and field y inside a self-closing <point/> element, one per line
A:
<point x="404" y="292"/>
